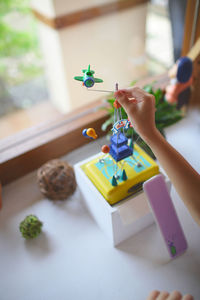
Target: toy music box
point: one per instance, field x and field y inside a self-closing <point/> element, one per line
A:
<point x="112" y="185"/>
<point x="116" y="181"/>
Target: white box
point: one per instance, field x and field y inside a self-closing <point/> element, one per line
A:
<point x="120" y="221"/>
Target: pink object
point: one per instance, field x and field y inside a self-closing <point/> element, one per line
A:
<point x="165" y="215"/>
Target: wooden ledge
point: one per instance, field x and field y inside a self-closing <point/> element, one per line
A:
<point x="86" y="14"/>
<point x="28" y="150"/>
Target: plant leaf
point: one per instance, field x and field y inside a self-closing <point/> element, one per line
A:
<point x="106" y="124"/>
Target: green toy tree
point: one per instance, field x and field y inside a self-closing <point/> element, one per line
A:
<point x="124" y="176"/>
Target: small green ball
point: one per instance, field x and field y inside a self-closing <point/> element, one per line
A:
<point x="30" y="227"/>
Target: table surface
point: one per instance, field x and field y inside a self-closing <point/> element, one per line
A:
<point x="73" y="259"/>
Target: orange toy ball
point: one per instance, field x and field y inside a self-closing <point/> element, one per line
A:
<point x="116" y="104"/>
<point x="105" y="149"/>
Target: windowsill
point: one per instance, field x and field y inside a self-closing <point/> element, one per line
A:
<point x="27" y="150"/>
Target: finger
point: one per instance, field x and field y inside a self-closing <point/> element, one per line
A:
<point x="153" y="295"/>
<point x="120" y="93"/>
<point x="125" y="102"/>
<point x="128" y="92"/>
<point x="188" y="297"/>
<point x="163" y="296"/>
<point x="133" y="100"/>
<point x="137" y="94"/>
<point x="175" y="295"/>
<point x="141" y="95"/>
<point x="131" y="92"/>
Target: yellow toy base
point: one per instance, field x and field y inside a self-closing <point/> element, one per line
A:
<point x="138" y="168"/>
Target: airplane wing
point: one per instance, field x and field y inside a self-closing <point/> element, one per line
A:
<point x="80" y="78"/>
<point x="98" y="80"/>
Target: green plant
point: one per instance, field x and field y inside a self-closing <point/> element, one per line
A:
<point x="30" y="227"/>
<point x="19" y="47"/>
<point x="166" y="114"/>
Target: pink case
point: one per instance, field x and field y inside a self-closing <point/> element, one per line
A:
<point x="165" y="215"/>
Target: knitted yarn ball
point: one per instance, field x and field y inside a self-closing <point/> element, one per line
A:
<point x="56" y="179"/>
<point x="30" y="227"/>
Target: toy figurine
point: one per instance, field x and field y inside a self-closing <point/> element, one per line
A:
<point x="30" y="227"/>
<point x="90" y="133"/>
<point x="122" y="168"/>
<point x="181" y="79"/>
<point x="88" y="79"/>
<point x="119" y="148"/>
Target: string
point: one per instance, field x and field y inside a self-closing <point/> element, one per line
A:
<point x="103" y="91"/>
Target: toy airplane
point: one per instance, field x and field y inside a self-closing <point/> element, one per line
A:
<point x="88" y="79"/>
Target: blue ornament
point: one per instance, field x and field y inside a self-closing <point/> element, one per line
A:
<point x="84" y="133"/>
<point x="184" y="69"/>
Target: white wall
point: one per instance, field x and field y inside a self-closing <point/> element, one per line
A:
<point x="112" y="44"/>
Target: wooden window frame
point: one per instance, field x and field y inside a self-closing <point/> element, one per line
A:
<point x="27" y="150"/>
<point x="87" y="14"/>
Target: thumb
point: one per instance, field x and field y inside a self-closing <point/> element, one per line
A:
<point x="122" y="98"/>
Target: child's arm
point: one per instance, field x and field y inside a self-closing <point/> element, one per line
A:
<point x="140" y="107"/>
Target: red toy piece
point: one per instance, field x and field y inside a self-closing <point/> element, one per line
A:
<point x="105" y="149"/>
<point x="116" y="104"/>
<point x="181" y="79"/>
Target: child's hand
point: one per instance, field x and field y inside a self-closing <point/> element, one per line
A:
<point x="140" y="107"/>
<point x="156" y="295"/>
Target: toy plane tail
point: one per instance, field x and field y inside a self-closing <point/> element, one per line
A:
<point x="88" y="70"/>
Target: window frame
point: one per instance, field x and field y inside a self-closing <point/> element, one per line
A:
<point x="32" y="147"/>
<point x="28" y="149"/>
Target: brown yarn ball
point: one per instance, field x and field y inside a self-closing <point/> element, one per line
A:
<point x="56" y="179"/>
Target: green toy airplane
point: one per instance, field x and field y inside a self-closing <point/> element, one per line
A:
<point x="88" y="79"/>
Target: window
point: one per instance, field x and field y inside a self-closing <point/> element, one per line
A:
<point x="38" y="62"/>
<point x="115" y="38"/>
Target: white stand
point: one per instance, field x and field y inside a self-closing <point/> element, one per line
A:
<point x="121" y="221"/>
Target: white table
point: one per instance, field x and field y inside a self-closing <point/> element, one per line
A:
<point x="72" y="259"/>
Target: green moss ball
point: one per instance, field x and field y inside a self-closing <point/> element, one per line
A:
<point x="30" y="227"/>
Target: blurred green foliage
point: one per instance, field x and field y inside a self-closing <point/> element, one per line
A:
<point x="19" y="48"/>
<point x="166" y="114"/>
